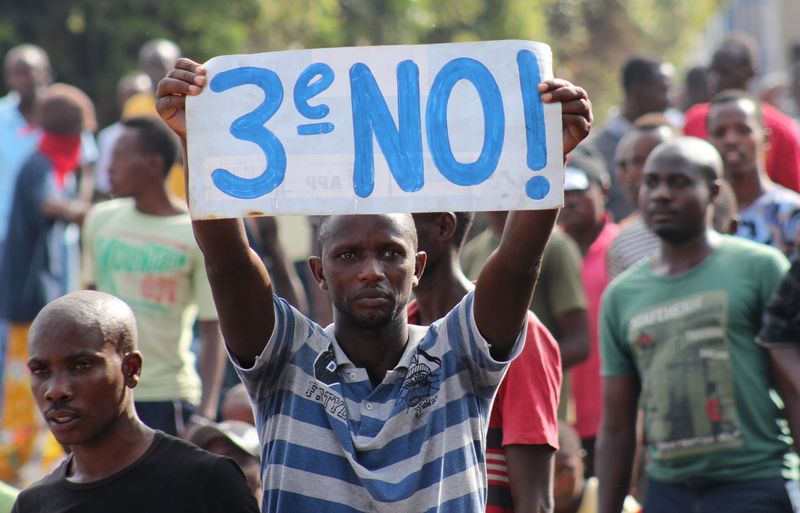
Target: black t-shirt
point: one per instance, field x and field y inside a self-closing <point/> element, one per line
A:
<point x="173" y="476"/>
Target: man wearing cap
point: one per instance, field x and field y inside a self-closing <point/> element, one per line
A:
<point x="585" y="219"/>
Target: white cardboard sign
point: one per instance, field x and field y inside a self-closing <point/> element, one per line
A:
<point x="413" y="128"/>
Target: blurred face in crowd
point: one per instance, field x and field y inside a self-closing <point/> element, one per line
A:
<point x="736" y="132"/>
<point x="639" y="148"/>
<point x="655" y="93"/>
<point x="730" y="69"/>
<point x="584" y="209"/>
<point x="568" y="481"/>
<point x="132" y="169"/>
<point x="26" y="72"/>
<point x="675" y="196"/>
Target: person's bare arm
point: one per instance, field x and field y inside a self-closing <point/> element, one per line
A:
<point x="786" y="375"/>
<point x="573" y="336"/>
<point x="72" y="211"/>
<point x="211" y="366"/>
<point x="530" y="473"/>
<point x="239" y="281"/>
<point x="506" y="282"/>
<point x="616" y="441"/>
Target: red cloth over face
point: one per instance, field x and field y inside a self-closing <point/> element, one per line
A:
<point x="63" y="151"/>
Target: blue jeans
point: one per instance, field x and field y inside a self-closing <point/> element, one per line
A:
<point x="707" y="496"/>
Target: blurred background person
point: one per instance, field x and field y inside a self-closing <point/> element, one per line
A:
<point x="40" y="262"/>
<point x="584" y="218"/>
<point x="645" y="83"/>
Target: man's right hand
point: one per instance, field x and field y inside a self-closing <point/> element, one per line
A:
<point x="187" y="78"/>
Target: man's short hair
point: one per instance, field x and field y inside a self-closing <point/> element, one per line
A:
<point x="67" y="109"/>
<point x="154" y="137"/>
<point x="696" y="152"/>
<point x="639" y="71"/>
<point x="108" y="315"/>
<point x="740" y="45"/>
<point x="736" y="95"/>
<point x="29" y="52"/>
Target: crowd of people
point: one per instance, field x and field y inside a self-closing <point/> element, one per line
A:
<point x="636" y="350"/>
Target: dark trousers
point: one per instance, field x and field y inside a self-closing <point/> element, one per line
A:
<point x="170" y="417"/>
<point x="707" y="496"/>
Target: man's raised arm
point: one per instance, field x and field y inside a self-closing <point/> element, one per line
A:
<point x="505" y="285"/>
<point x="239" y="281"/>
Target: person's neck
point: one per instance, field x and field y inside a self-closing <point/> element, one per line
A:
<point x="439" y="291"/>
<point x="748" y="187"/>
<point x="585" y="238"/>
<point x="157" y="201"/>
<point x="26" y="109"/>
<point x="125" y="443"/>
<point x="630" y="111"/>
<point x="377" y="350"/>
<point x="679" y="258"/>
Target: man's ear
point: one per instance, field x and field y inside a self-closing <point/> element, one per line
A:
<point x="155" y="163"/>
<point x="315" y="264"/>
<point x="445" y="226"/>
<point x="132" y="368"/>
<point x="419" y="266"/>
<point x="713" y="189"/>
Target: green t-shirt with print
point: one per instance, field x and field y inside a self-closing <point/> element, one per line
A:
<point x="709" y="407"/>
<point x="152" y="263"/>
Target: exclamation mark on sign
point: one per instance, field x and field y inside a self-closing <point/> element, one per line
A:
<point x="529" y="78"/>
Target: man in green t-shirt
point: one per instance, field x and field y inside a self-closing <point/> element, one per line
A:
<point x="140" y="247"/>
<point x="678" y="340"/>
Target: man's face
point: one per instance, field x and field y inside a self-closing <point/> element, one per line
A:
<point x="25" y="75"/>
<point x="655" y="93"/>
<point x="639" y="149"/>
<point x="674" y="198"/>
<point x="127" y="169"/>
<point x="583" y="210"/>
<point x="728" y="71"/>
<point x="77" y="381"/>
<point x="736" y="133"/>
<point x="567" y="482"/>
<point x="369" y="266"/>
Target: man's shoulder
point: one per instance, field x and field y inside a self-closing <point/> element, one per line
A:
<point x="783" y="198"/>
<point x="631" y="279"/>
<point x="112" y="205"/>
<point x="561" y="244"/>
<point x="775" y="118"/>
<point x="38" y="491"/>
<point x="176" y="460"/>
<point x="739" y="249"/>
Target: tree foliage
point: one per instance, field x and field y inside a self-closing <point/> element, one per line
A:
<point x="93" y="42"/>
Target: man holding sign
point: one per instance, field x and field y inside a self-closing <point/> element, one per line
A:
<point x="371" y="414"/>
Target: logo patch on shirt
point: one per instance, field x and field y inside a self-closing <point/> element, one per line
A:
<point x="325" y="368"/>
<point x="422" y="382"/>
<point x="326" y="377"/>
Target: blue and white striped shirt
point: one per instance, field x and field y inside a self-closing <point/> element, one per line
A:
<point x="332" y="443"/>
